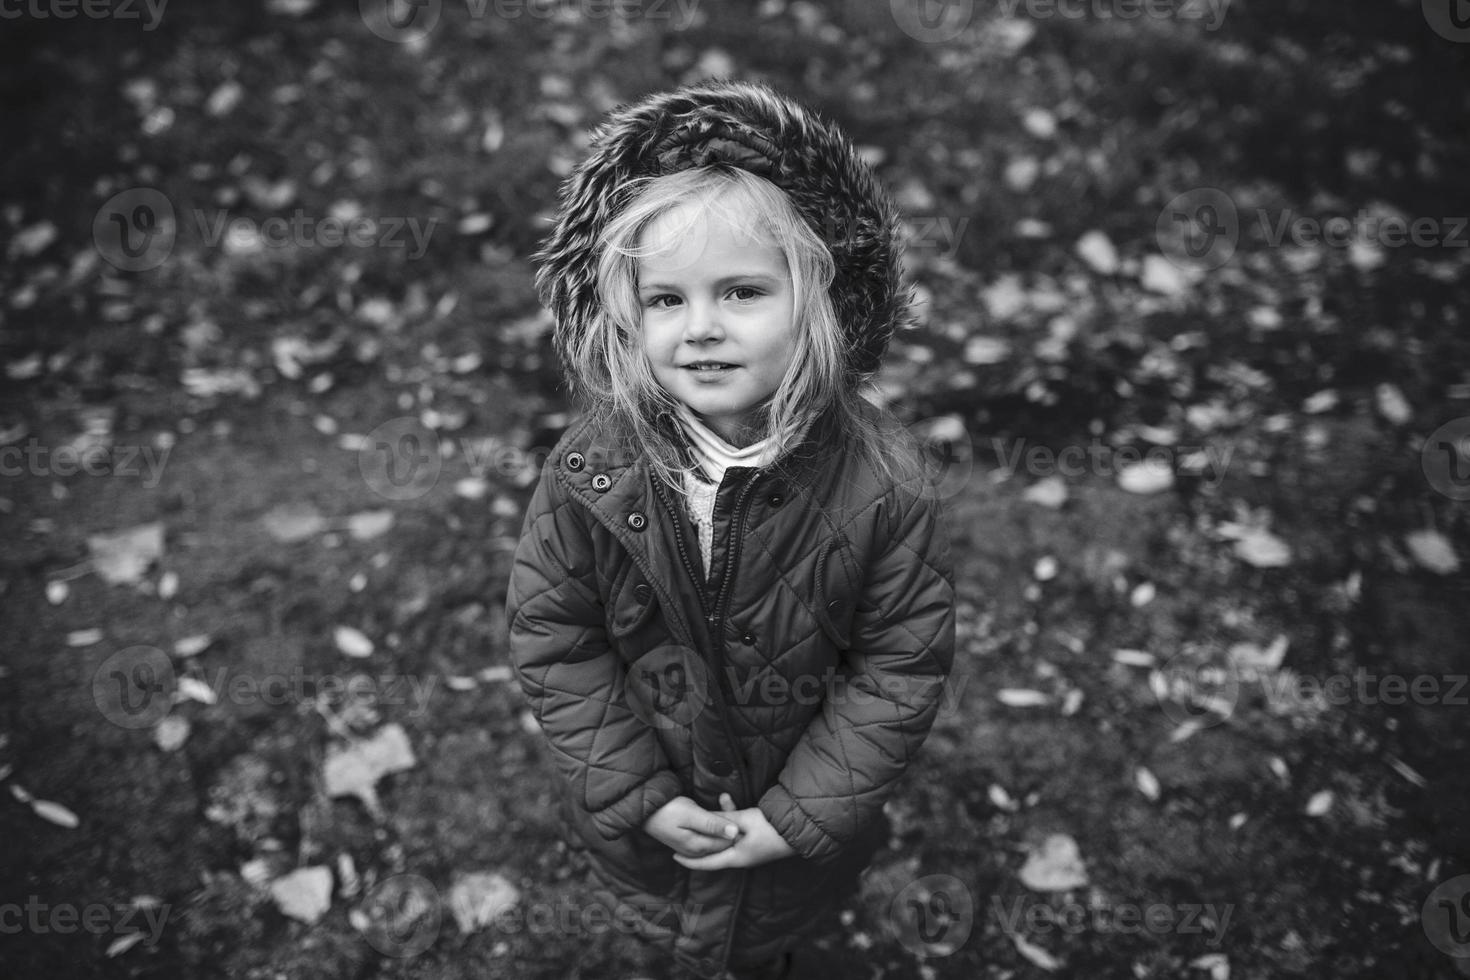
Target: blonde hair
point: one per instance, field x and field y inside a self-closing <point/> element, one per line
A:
<point x="611" y="370"/>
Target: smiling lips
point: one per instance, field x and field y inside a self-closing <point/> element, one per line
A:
<point x="700" y="366"/>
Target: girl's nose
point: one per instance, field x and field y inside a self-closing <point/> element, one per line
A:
<point x="702" y="323"/>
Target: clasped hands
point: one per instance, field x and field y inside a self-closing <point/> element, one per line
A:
<point x="705" y="840"/>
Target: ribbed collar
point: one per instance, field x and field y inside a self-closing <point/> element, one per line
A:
<point x="714" y="455"/>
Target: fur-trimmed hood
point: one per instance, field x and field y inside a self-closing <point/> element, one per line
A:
<point x="753" y="127"/>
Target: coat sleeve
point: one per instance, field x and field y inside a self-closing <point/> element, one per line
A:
<point x="576" y="683"/>
<point x="844" y="767"/>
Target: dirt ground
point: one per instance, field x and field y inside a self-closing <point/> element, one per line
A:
<point x="261" y="481"/>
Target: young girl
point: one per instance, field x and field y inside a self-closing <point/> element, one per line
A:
<point x="732" y="604"/>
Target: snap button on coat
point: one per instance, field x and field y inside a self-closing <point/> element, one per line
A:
<point x="601" y="482"/>
<point x="575" y="461"/>
<point x="643" y="592"/>
<point x="637" y="521"/>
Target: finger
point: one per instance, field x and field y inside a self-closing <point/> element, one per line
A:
<point x="699" y="845"/>
<point x="712" y="862"/>
<point x="714" y="826"/>
<point x="727" y="803"/>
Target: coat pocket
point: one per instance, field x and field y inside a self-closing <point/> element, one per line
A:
<point x="632" y="604"/>
<point x="837" y="590"/>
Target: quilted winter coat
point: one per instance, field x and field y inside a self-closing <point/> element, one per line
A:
<point x="801" y="676"/>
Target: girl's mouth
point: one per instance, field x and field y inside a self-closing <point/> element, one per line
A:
<point x="709" y="367"/>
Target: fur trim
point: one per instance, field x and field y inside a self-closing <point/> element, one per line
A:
<point x="753" y="127"/>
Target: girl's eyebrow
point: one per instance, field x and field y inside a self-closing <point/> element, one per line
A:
<point x="724" y="282"/>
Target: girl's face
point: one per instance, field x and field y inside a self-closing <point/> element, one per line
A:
<point x="718" y="324"/>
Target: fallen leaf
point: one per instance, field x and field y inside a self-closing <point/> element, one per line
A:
<point x="33" y="240"/>
<point x="352" y="642"/>
<point x="193" y="689"/>
<point x="1143" y="593"/>
<point x="981" y="349"/>
<point x="1046" y="569"/>
<point x="1147" y="783"/>
<point x="84" y="638"/>
<point x="192" y="646"/>
<point x="1392" y="404"/>
<point x="55" y="813"/>
<point x="305" y="894"/>
<point x="171" y="733"/>
<point x="477" y="899"/>
<point x="122" y="557"/>
<point x="1320" y="803"/>
<point x="1054" y="866"/>
<point x="123" y="943"/>
<point x="57" y="591"/>
<point x="471" y="488"/>
<point x="1040" y="123"/>
<point x="1217" y="963"/>
<point x="1164" y="277"/>
<point x="369" y="524"/>
<point x="223" y="100"/>
<point x="1017" y="697"/>
<point x="1049" y="491"/>
<point x="1035" y="953"/>
<point x="1323" y="401"/>
<point x="354" y="769"/>
<point x="1147" y="476"/>
<point x="1134" y="658"/>
<point x="1261" y="548"/>
<point x="289" y="523"/>
<point x="168" y="585"/>
<point x="1432" y="551"/>
<point x="1098" y="251"/>
<point x="496" y="674"/>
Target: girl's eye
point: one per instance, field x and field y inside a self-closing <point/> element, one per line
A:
<point x="745" y="293"/>
<point x="662" y="301"/>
